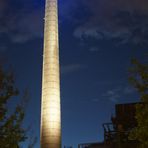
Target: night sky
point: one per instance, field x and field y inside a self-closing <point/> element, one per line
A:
<point x="98" y="38"/>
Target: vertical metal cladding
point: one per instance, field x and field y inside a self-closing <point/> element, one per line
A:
<point x="50" y="107"/>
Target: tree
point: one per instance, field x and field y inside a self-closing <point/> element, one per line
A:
<point x="139" y="79"/>
<point x="11" y="131"/>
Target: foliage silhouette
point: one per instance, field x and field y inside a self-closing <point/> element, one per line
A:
<point x="12" y="132"/>
<point x="139" y="79"/>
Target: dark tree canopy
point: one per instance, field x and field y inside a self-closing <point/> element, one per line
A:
<point x="139" y="79"/>
<point x="11" y="131"/>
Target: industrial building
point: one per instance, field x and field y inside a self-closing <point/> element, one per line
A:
<point x="117" y="131"/>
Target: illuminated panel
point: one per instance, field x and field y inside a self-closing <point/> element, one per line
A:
<point x="50" y="107"/>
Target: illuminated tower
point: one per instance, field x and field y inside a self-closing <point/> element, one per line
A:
<point x="50" y="107"/>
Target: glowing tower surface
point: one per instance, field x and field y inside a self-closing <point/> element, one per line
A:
<point x="50" y="107"/>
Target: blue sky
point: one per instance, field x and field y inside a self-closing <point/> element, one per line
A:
<point x="98" y="38"/>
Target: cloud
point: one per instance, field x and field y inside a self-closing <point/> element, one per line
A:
<point x="29" y="26"/>
<point x="82" y="32"/>
<point x="3" y="48"/>
<point x="94" y="49"/>
<point x="123" y="20"/>
<point x="115" y="94"/>
<point x="66" y="69"/>
<point x="3" y="6"/>
<point x="95" y="100"/>
<point x="20" y="24"/>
